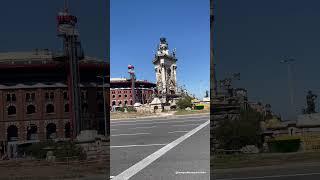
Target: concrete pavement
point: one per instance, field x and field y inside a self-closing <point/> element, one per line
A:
<point x="180" y="145"/>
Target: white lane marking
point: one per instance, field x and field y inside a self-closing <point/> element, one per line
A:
<point x="186" y="125"/>
<point x="151" y="158"/>
<point x="143" y="127"/>
<point x="130" y="134"/>
<point x="191" y="172"/>
<point x="274" y="176"/>
<point x="178" y="131"/>
<point x="133" y="124"/>
<point x="152" y="120"/>
<point x="138" y="145"/>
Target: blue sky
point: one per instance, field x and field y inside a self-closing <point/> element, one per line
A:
<point x="27" y="25"/>
<point x="253" y="36"/>
<point x="136" y="27"/>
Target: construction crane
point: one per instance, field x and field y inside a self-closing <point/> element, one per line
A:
<point x="133" y="79"/>
<point x="72" y="53"/>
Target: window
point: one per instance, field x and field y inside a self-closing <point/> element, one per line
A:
<point x="47" y="96"/>
<point x="113" y="96"/>
<point x="65" y="95"/>
<point x="51" y="95"/>
<point x="27" y="96"/>
<point x="12" y="110"/>
<point x="125" y="102"/>
<point x="113" y="103"/>
<point x="33" y="96"/>
<point x="119" y="95"/>
<point x="66" y="108"/>
<point x="31" y="109"/>
<point x="125" y="95"/>
<point x="13" y="97"/>
<point x="119" y="103"/>
<point x="8" y="97"/>
<point x="50" y="108"/>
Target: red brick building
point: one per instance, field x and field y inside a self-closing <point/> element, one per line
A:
<point x="121" y="93"/>
<point x="34" y="98"/>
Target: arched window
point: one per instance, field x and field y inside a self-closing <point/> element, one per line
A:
<point x="50" y="108"/>
<point x="51" y="131"/>
<point x="12" y="110"/>
<point x="12" y="133"/>
<point x="65" y="96"/>
<point x="66" y="108"/>
<point x="32" y="132"/>
<point x="113" y="103"/>
<point x="67" y="130"/>
<point x="31" y="109"/>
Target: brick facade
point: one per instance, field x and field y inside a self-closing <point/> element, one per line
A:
<point x="21" y="120"/>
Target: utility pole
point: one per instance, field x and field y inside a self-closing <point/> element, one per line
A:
<point x="212" y="65"/>
<point x="104" y="104"/>
<point x="289" y="63"/>
<point x="142" y="99"/>
<point x="133" y="78"/>
<point x="72" y="54"/>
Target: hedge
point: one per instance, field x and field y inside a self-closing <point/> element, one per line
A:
<point x="199" y="107"/>
<point x="285" y="145"/>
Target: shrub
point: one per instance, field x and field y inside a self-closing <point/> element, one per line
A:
<point x="199" y="107"/>
<point x="60" y="150"/>
<point x="184" y="102"/>
<point x="284" y="145"/>
<point x="131" y="109"/>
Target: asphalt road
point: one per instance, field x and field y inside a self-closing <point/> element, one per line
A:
<point x="173" y="148"/>
<point x="298" y="171"/>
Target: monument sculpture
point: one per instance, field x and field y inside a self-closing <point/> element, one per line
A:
<point x="166" y="72"/>
<point x="311" y="102"/>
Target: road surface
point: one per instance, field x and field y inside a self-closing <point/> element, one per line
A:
<point x="298" y="171"/>
<point x="161" y="148"/>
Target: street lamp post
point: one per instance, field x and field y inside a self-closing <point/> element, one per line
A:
<point x="142" y="94"/>
<point x="104" y="105"/>
<point x="290" y="83"/>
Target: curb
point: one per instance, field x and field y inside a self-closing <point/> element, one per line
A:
<point x="163" y="117"/>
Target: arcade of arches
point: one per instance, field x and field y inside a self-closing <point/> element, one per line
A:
<point x="32" y="132"/>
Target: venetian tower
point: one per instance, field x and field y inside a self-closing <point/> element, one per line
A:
<point x="166" y="70"/>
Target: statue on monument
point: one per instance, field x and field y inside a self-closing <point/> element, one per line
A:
<point x="311" y="102"/>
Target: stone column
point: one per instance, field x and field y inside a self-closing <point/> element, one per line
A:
<point x="163" y="75"/>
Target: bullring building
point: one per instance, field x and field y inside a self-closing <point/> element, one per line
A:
<point x="34" y="97"/>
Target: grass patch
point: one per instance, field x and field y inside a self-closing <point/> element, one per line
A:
<point x="122" y="115"/>
<point x="185" y="112"/>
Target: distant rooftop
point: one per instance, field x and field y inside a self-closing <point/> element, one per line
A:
<point x="35" y="56"/>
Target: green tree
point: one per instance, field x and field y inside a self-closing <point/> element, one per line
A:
<point x="234" y="134"/>
<point x="184" y="102"/>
